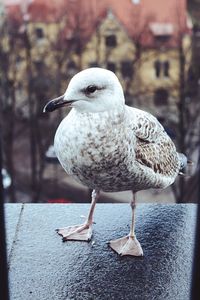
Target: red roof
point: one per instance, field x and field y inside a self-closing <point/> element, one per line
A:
<point x="144" y="20"/>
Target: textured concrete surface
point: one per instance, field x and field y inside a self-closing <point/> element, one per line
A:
<point x="43" y="267"/>
<point x="12" y="216"/>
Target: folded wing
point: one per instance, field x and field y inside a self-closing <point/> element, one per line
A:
<point x="154" y="148"/>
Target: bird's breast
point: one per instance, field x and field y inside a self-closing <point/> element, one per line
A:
<point x="93" y="150"/>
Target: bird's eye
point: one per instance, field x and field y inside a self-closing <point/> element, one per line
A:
<point x="90" y="89"/>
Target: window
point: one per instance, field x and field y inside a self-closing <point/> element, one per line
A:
<point x="39" y="33"/>
<point x="93" y="64"/>
<point x="111" y="66"/>
<point x="161" y="97"/>
<point x="127" y="69"/>
<point x="157" y="66"/>
<point x="166" y="68"/>
<point x="111" y="41"/>
<point x="161" y="68"/>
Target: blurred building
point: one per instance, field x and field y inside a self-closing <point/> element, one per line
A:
<point x="147" y="43"/>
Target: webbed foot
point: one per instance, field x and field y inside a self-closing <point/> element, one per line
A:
<point x="127" y="245"/>
<point x="81" y="232"/>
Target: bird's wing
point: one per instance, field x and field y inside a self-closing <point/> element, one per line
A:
<point x="147" y="127"/>
<point x="154" y="148"/>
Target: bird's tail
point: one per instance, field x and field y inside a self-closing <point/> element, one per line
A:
<point x="183" y="163"/>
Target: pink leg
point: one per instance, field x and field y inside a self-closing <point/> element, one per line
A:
<point x="82" y="232"/>
<point x="129" y="244"/>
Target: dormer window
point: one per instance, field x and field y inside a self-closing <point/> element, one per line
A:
<point x="162" y="32"/>
<point x="136" y="1"/>
<point x="162" y="38"/>
<point x="111" y="41"/>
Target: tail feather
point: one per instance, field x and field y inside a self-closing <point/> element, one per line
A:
<point x="183" y="161"/>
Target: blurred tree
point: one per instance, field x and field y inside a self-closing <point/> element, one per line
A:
<point x="8" y="73"/>
<point x="188" y="110"/>
<point x="47" y="67"/>
<point x="39" y="84"/>
<point x="16" y="47"/>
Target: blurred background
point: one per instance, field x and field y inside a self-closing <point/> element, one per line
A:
<point x="153" y="47"/>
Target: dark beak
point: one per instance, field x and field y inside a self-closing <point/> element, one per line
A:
<point x="56" y="103"/>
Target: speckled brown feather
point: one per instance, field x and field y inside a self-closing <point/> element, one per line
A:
<point x="160" y="157"/>
<point x="116" y="152"/>
<point x="154" y="148"/>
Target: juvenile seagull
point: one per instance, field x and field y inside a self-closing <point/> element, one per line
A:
<point x="109" y="146"/>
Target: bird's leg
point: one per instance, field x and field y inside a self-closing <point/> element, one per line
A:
<point x="128" y="245"/>
<point x="81" y="232"/>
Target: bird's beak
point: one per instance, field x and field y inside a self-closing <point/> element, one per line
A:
<point x="57" y="103"/>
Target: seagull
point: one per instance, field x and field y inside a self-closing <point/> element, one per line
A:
<point x="111" y="147"/>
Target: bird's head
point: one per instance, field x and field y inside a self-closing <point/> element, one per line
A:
<point x="92" y="90"/>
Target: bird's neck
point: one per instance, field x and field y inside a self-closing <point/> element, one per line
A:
<point x="115" y="115"/>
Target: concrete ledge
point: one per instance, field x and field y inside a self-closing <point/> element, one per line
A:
<point x="12" y="215"/>
<point x="41" y="267"/>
